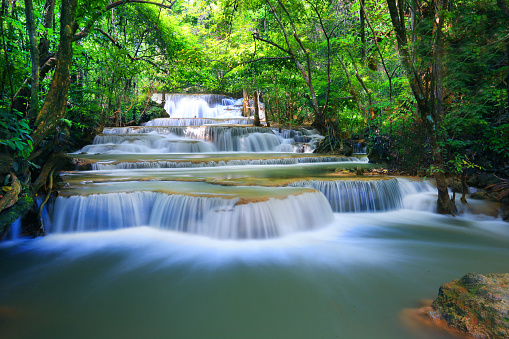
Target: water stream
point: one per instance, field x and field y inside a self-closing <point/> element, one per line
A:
<point x="235" y="243"/>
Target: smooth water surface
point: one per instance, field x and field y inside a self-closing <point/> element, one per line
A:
<point x="348" y="280"/>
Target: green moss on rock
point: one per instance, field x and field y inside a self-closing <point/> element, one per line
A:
<point x="11" y="214"/>
<point x="476" y="304"/>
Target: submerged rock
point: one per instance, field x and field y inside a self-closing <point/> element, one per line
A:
<point x="476" y="304"/>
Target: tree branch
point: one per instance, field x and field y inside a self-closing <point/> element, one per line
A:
<point x="84" y="32"/>
<point x="256" y="60"/>
<point x="257" y="37"/>
<point x="115" y="42"/>
<point x="378" y="49"/>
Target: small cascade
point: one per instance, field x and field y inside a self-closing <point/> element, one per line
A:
<point x="209" y="216"/>
<point x="298" y="135"/>
<point x="375" y="195"/>
<point x="418" y="195"/>
<point x="233" y="162"/>
<point x="359" y="148"/>
<point x="15" y="230"/>
<point x="356" y="195"/>
<point x="155" y="139"/>
<point x="146" y="143"/>
<point x="198" y="122"/>
<point x="298" y="140"/>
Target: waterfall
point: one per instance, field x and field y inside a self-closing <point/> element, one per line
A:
<point x="146" y="143"/>
<point x="233" y="162"/>
<point x="197" y="122"/>
<point x="359" y="148"/>
<point x="358" y="196"/>
<point x="209" y="216"/>
<point x="231" y="138"/>
<point x="373" y="195"/>
<point x="210" y="106"/>
<point x="15" y="230"/>
<point x="170" y="139"/>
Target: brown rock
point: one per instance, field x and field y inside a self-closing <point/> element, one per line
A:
<point x="476" y="304"/>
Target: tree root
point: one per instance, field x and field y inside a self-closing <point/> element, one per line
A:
<point x="42" y="231"/>
<point x="11" y="197"/>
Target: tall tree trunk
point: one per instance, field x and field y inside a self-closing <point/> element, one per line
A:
<point x="362" y="29"/>
<point x="56" y="100"/>
<point x="267" y="115"/>
<point x="444" y="204"/>
<point x="429" y="103"/>
<point x="256" y="109"/>
<point x="49" y="20"/>
<point x="245" y="104"/>
<point x="34" y="56"/>
<point x="163" y="100"/>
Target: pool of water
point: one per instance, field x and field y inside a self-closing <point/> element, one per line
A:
<point x="351" y="279"/>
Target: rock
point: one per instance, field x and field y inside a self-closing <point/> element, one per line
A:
<point x="455" y="185"/>
<point x="476" y="304"/>
<point x="482" y="180"/>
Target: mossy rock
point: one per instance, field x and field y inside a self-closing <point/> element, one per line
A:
<point x="11" y="214"/>
<point x="476" y="304"/>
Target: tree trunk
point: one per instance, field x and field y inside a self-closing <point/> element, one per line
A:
<point x="163" y="100"/>
<point x="56" y="100"/>
<point x="34" y="56"/>
<point x="49" y="19"/>
<point x="245" y="104"/>
<point x="362" y="30"/>
<point x="267" y="120"/>
<point x="444" y="203"/>
<point x="429" y="103"/>
<point x="256" y="109"/>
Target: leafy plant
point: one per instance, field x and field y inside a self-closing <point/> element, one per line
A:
<point x="15" y="132"/>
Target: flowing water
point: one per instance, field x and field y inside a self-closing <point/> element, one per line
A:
<point x="149" y="243"/>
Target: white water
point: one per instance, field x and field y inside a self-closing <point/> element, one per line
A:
<point x="139" y="261"/>
<point x="233" y="162"/>
<point x="358" y="196"/>
<point x="201" y="106"/>
<point x="191" y="139"/>
<point x="209" y="216"/>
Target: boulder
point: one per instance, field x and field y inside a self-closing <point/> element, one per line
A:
<point x="476" y="304"/>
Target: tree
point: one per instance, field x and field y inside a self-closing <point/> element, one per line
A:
<point x="52" y="114"/>
<point x="426" y="79"/>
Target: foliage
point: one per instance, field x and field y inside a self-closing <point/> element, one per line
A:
<point x="227" y="46"/>
<point x="15" y="132"/>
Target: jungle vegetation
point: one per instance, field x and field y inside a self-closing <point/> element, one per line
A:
<point x="425" y="83"/>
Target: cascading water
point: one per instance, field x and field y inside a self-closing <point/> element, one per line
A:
<point x="200" y="106"/>
<point x="178" y="139"/>
<point x="233" y="162"/>
<point x="223" y="240"/>
<point x="214" y="217"/>
<point x="368" y="195"/>
<point x="197" y="122"/>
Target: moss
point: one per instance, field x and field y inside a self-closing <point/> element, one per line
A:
<point x="10" y="215"/>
